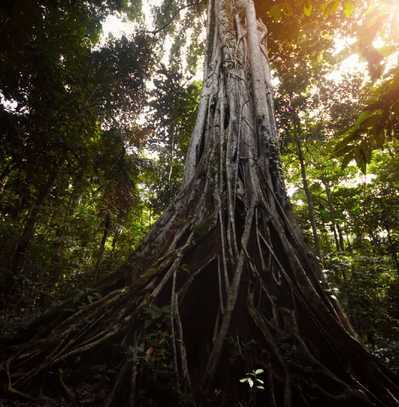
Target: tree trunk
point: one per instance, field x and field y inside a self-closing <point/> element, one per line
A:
<point x="334" y="231"/>
<point x="348" y="240"/>
<point x="392" y="249"/>
<point x="341" y="237"/>
<point x="28" y="230"/>
<point x="337" y="229"/>
<point x="305" y="184"/>
<point x="222" y="286"/>
<point x="106" y="230"/>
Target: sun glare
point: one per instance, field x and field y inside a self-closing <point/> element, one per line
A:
<point x="389" y="9"/>
<point x="351" y="62"/>
<point x="117" y="25"/>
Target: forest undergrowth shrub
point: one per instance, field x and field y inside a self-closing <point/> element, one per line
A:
<point x="366" y="286"/>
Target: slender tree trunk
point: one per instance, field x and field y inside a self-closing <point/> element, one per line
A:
<point x="100" y="255"/>
<point x="334" y="231"/>
<point x="341" y="237"/>
<point x="337" y="228"/>
<point x="392" y="249"/>
<point x="348" y="241"/>
<point x="115" y="239"/>
<point x="223" y="283"/>
<point x="305" y="183"/>
<point x="25" y="238"/>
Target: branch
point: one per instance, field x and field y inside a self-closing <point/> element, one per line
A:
<point x="158" y="30"/>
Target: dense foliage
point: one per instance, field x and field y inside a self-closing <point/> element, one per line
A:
<point x="69" y="145"/>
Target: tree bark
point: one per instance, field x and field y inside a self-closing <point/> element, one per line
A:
<point x="223" y="284"/>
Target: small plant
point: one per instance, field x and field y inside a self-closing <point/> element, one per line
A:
<point x="253" y="379"/>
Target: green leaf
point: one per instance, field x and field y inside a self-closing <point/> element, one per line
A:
<point x="244" y="380"/>
<point x="250" y="382"/>
<point x="308" y="9"/>
<point x="259" y="371"/>
<point x="344" y="146"/>
<point x="330" y="7"/>
<point x="346" y="160"/>
<point x="348" y="8"/>
<point x="363" y="116"/>
<point x="260" y="387"/>
<point x="276" y="12"/>
<point x="288" y="10"/>
<point x="387" y="50"/>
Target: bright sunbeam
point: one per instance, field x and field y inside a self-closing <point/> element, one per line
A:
<point x="389" y="9"/>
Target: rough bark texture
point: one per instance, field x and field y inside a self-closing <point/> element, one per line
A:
<point x="222" y="285"/>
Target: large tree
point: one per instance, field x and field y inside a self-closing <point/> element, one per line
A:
<point x="223" y="287"/>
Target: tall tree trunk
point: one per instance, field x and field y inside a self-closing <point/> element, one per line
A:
<point x="305" y="183"/>
<point x="28" y="230"/>
<point x="392" y="249"/>
<point x="223" y="283"/>
<point x="348" y="241"/>
<point x="337" y="228"/>
<point x="100" y="255"/>
<point x="335" y="234"/>
<point x="341" y="237"/>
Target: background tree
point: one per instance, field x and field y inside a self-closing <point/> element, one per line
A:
<point x="68" y="118"/>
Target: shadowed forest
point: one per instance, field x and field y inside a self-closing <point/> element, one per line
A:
<point x="185" y="188"/>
